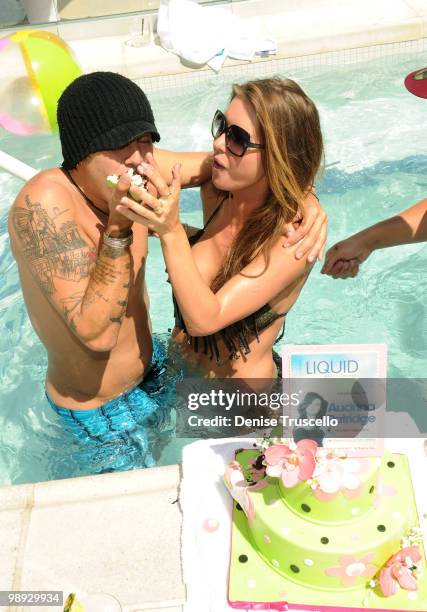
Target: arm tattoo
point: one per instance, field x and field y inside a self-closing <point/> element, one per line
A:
<point x="105" y="273"/>
<point x="56" y="250"/>
<point x="53" y="252"/>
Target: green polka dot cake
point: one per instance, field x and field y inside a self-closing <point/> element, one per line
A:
<point x="314" y="529"/>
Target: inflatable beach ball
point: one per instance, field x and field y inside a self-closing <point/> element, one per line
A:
<point x="36" y="67"/>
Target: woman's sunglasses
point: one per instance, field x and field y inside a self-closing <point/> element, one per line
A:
<point x="237" y="140"/>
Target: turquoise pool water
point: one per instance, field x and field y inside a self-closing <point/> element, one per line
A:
<point x="376" y="165"/>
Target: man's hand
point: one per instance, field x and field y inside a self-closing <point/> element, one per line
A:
<point x="117" y="223"/>
<point x="311" y="231"/>
<point x="344" y="258"/>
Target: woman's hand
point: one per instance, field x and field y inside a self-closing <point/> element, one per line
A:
<point x="311" y="231"/>
<point x="159" y="214"/>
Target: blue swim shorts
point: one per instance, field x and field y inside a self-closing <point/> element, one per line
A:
<point x="120" y="434"/>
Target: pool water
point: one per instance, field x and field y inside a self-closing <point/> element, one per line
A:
<point x="376" y="165"/>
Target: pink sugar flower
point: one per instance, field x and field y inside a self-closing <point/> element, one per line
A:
<point x="292" y="466"/>
<point x="351" y="568"/>
<point x="397" y="571"/>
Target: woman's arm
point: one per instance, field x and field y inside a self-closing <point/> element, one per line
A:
<point x="205" y="312"/>
<point x="196" y="169"/>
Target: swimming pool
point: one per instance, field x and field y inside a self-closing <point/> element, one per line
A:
<point x="376" y="165"/>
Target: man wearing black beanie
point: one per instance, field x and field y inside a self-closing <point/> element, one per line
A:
<point x="81" y="267"/>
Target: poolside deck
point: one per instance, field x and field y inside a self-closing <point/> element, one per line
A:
<point x="114" y="533"/>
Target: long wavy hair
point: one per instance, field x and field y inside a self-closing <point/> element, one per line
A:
<point x="290" y="131"/>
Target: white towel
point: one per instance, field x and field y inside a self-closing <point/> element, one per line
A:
<point x="184" y="29"/>
<point x="206" y="506"/>
<point x="207" y="34"/>
<point x="205" y="545"/>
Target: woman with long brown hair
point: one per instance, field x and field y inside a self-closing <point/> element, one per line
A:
<point x="233" y="281"/>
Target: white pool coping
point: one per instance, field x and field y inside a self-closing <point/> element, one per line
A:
<point x="114" y="533"/>
<point x="120" y="533"/>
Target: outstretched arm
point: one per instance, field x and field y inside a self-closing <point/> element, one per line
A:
<point x="344" y="258"/>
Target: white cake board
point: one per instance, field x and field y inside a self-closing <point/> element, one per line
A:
<point x="207" y="505"/>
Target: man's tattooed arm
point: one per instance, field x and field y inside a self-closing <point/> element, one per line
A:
<point x="104" y="303"/>
<point x="88" y="287"/>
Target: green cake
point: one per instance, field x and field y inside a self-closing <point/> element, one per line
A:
<point x="316" y="530"/>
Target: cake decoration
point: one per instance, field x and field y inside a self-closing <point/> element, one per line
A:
<point x="312" y="527"/>
<point x="400" y="571"/>
<point x="292" y="466"/>
<point x="351" y="568"/>
<point x="210" y="525"/>
<point x="338" y="475"/>
<point x="383" y="490"/>
<point x="257" y="468"/>
<point x="239" y="488"/>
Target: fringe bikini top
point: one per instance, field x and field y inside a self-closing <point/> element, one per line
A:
<point x="235" y="336"/>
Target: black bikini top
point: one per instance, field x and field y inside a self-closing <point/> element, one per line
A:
<point x="235" y="336"/>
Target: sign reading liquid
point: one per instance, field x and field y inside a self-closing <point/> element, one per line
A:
<point x="342" y="385"/>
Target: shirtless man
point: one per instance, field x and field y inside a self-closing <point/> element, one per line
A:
<point x="81" y="273"/>
<point x="82" y="264"/>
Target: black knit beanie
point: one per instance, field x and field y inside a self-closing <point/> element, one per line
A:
<point x="101" y="111"/>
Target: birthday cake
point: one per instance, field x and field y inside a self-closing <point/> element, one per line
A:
<point x="316" y="529"/>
